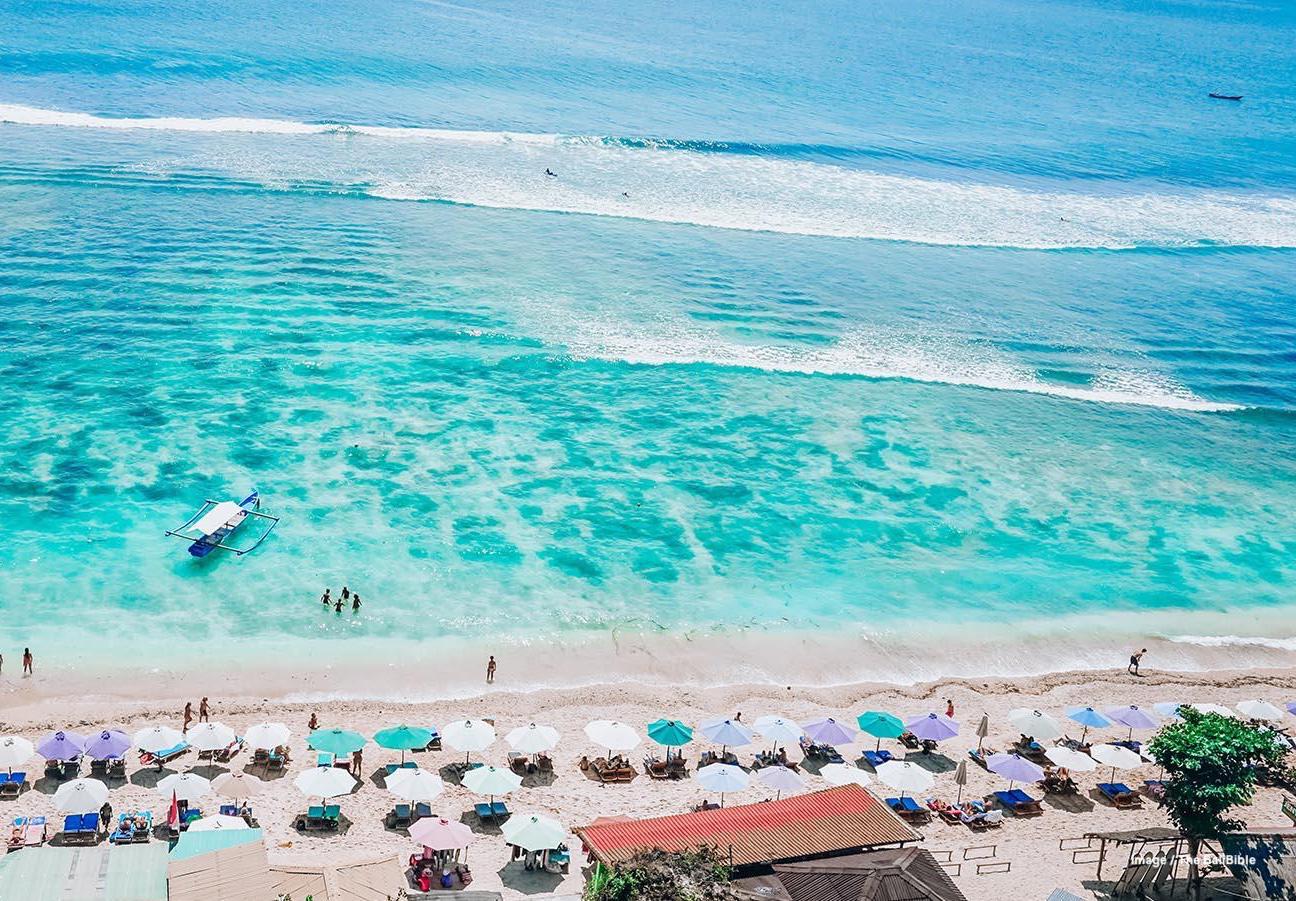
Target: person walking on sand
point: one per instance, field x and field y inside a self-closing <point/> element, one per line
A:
<point x="28" y="661"/>
<point x="1135" y="659"/>
<point x="490" y="670"/>
<point x="949" y="708"/>
<point x="355" y="602"/>
<point x="188" y="716"/>
<point x="204" y="711"/>
<point x="328" y="601"/>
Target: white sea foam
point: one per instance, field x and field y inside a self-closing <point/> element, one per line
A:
<point x="671" y="184"/>
<point x="1239" y="641"/>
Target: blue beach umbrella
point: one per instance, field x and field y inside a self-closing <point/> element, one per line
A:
<point x="669" y="734"/>
<point x="880" y="725"/>
<point x="61" y="746"/>
<point x="108" y="744"/>
<point x="403" y="738"/>
<point x="1089" y="718"/>
<point x="1169" y="709"/>
<point x="338" y="742"/>
<point x="726" y="732"/>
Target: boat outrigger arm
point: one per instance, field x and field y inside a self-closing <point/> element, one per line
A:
<point x="216" y="520"/>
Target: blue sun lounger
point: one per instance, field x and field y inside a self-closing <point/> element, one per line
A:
<point x="81" y="829"/>
<point x="422" y="809"/>
<point x="1020" y="803"/>
<point x="876" y="758"/>
<point x="1120" y="795"/>
<point x="484" y="811"/>
<point x="11" y="784"/>
<point x="499" y="809"/>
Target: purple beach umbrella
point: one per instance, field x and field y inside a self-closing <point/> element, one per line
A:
<point x="933" y="727"/>
<point x="829" y="732"/>
<point x="1291" y="707"/>
<point x="110" y="743"/>
<point x="1132" y="717"/>
<point x="1014" y="768"/>
<point x="61" y="746"/>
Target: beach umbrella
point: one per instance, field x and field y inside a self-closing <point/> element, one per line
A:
<point x="1035" y="724"/>
<point x="415" y="785"/>
<point x="534" y="833"/>
<point x="1115" y="756"/>
<point x="780" y="778"/>
<point x="80" y="796"/>
<point x="1072" y="760"/>
<point x="1133" y="717"/>
<point x="184" y="786"/>
<point x="722" y="778"/>
<point x="324" y="782"/>
<point x="61" y="746"/>
<point x="1014" y="768"/>
<point x="1291" y="707"/>
<point x="532" y="738"/>
<point x="491" y="780"/>
<point x="779" y="729"/>
<point x="338" y="742"/>
<point x="469" y="736"/>
<point x="15" y="751"/>
<point x="844" y="774"/>
<point x="210" y="736"/>
<point x="441" y="834"/>
<point x="267" y="736"/>
<point x="880" y="725"/>
<point x="983" y="730"/>
<point x="1089" y="718"/>
<point x="960" y="779"/>
<point x="905" y="776"/>
<point x="828" y="731"/>
<point x="669" y="734"/>
<point x="403" y="738"/>
<point x="237" y="786"/>
<point x="218" y="823"/>
<point x="1212" y="708"/>
<point x="1260" y="710"/>
<point x="933" y="727"/>
<point x="612" y="735"/>
<point x="157" y="738"/>
<point x="107" y="744"/>
<point x="1169" y="709"/>
<point x="725" y="732"/>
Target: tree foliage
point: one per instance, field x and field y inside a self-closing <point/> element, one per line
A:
<point x="700" y="875"/>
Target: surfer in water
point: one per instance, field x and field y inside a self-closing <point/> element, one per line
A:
<point x="549" y="172"/>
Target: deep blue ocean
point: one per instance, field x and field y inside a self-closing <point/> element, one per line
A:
<point x="858" y="318"/>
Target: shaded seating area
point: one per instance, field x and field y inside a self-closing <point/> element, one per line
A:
<point x="161" y="758"/>
<point x="11" y="784"/>
<point x="822" y="753"/>
<point x="492" y="810"/>
<point x="1120" y="795"/>
<point x="1018" y="803"/>
<point x="80" y="829"/>
<point x="319" y="818"/>
<point x="876" y="758"/>
<point x="618" y="769"/>
<point x="909" y="809"/>
<point x="132" y="828"/>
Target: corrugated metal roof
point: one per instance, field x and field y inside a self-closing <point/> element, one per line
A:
<point x="191" y="844"/>
<point x="839" y="819"/>
<point x="235" y="873"/>
<point x="900" y="874"/>
<point x="101" y="873"/>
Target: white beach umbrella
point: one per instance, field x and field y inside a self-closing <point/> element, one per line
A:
<point x="1261" y="710"/>
<point x="80" y="796"/>
<point x="1169" y="709"/>
<point x="1116" y="757"/>
<point x="905" y="776"/>
<point x="779" y="729"/>
<point x="532" y="739"/>
<point x="844" y="774"/>
<point x="469" y="736"/>
<point x="267" y="736"/>
<point x="534" y="833"/>
<point x="218" y="823"/>
<point x="210" y="736"/>
<point x="1071" y="760"/>
<point x="187" y="787"/>
<point x="612" y="735"/>
<point x="1212" y="708"/>
<point x="15" y="751"/>
<point x="157" y="738"/>
<point x="324" y="782"/>
<point x="781" y="779"/>
<point x="237" y="786"/>
<point x="491" y="780"/>
<point x="1035" y="724"/>
<point x="441" y="834"/>
<point x="415" y="785"/>
<point x="723" y="778"/>
<point x="725" y="732"/>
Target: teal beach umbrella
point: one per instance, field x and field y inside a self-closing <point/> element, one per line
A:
<point x="880" y="725"/>
<point x="403" y="738"/>
<point x="338" y="742"/>
<point x="670" y="733"/>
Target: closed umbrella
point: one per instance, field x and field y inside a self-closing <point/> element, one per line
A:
<point x="107" y="744"/>
<point x="15" y="751"/>
<point x="210" y="736"/>
<point x="722" y="778"/>
<point x="61" y="746"/>
<point x="1035" y="724"/>
<point x="726" y="732"/>
<point x="828" y="731"/>
<point x="532" y="738"/>
<point x="1260" y="710"/>
<point x="880" y="725"/>
<point x="338" y="742"/>
<point x="441" y="834"/>
<point x="612" y="735"/>
<point x="983" y="730"/>
<point x="403" y="738"/>
<point x="669" y="734"/>
<point x="415" y="785"/>
<point x="534" y="833"/>
<point x="905" y="776"/>
<point x="779" y="730"/>
<point x="1072" y="760"/>
<point x="158" y="738"/>
<point x="1116" y="757"/>
<point x="218" y="823"/>
<point x="324" y="782"/>
<point x="188" y="787"/>
<point x="267" y="736"/>
<point x="1133" y="717"/>
<point x="237" y="786"/>
<point x="960" y="779"/>
<point x="933" y="727"/>
<point x="844" y="774"/>
<point x="1014" y="768"/>
<point x="780" y="778"/>
<point x="1089" y="718"/>
<point x="80" y="796"/>
<point x="469" y="736"/>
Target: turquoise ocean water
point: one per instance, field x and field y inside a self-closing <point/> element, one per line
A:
<point x="863" y="318"/>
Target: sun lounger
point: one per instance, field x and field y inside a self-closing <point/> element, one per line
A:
<point x="876" y="758"/>
<point x="484" y="811"/>
<point x="12" y="785"/>
<point x="400" y="817"/>
<point x="499" y="809"/>
<point x="71" y="768"/>
<point x="98" y="769"/>
<point x="164" y="757"/>
<point x="277" y="760"/>
<point x="391" y="768"/>
<point x="319" y="819"/>
<point x="544" y="763"/>
<point x="1030" y="749"/>
<point x="81" y="830"/>
<point x="518" y="763"/>
<point x="948" y="813"/>
<point x="229" y="752"/>
<point x="434" y="744"/>
<point x="325" y="758"/>
<point x="1120" y="795"/>
<point x="422" y="810"/>
<point x="124" y="834"/>
<point x="117" y="768"/>
<point x="909" y="809"/>
<point x="910" y="741"/>
<point x="979" y="757"/>
<point x="53" y="768"/>
<point x="656" y="769"/>
<point x="1019" y="803"/>
<point x="27" y="832"/>
<point x="260" y="757"/>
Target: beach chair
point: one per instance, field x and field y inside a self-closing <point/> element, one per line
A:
<point x="400" y="817"/>
<point x="71" y="768"/>
<point x="124" y="834"/>
<point x="909" y="809"/>
<point x="484" y="811"/>
<point x="656" y="769"/>
<point x="53" y="769"/>
<point x="979" y="757"/>
<point x="277" y="760"/>
<point x="326" y="758"/>
<point x="99" y="769"/>
<point x="499" y="809"/>
<point x="1155" y="789"/>
<point x="434" y="744"/>
<point x="876" y="758"/>
<point x="81" y="830"/>
<point x="1119" y="795"/>
<point x="228" y="753"/>
<point x="910" y="741"/>
<point x="1018" y="803"/>
<point x="422" y="810"/>
<point x="544" y="763"/>
<point x="261" y="757"/>
<point x="333" y="815"/>
<point x="228" y="810"/>
<point x="143" y="827"/>
<point x="117" y="768"/>
<point x="949" y="814"/>
<point x="12" y="785"/>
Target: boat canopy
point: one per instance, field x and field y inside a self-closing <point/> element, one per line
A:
<point x="215" y="518"/>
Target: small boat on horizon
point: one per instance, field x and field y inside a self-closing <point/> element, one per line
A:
<point x="217" y="520"/>
<point x="1225" y="96"/>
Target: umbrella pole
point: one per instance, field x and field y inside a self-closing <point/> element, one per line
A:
<point x="959" y="799"/>
<point x="878" y="746"/>
<point x="1083" y="733"/>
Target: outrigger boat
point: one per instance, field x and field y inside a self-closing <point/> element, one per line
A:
<point x="216" y="520"/>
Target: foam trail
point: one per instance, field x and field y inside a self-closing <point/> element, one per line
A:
<point x="669" y="183"/>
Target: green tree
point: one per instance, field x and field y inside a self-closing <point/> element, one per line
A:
<point x="1210" y="762"/>
<point x="699" y="875"/>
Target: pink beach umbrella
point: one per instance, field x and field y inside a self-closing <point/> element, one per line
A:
<point x="441" y="834"/>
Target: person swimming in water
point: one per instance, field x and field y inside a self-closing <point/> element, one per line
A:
<point x="549" y="172"/>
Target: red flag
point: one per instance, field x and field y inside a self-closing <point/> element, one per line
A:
<point x="173" y="813"/>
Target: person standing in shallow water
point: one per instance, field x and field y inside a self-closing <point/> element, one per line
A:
<point x="490" y="670"/>
<point x="28" y="662"/>
<point x="337" y="608"/>
<point x="326" y="599"/>
<point x="355" y="602"/>
<point x="346" y="593"/>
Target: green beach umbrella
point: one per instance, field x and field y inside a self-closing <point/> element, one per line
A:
<point x="403" y="738"/>
<point x="338" y="742"/>
<point x="880" y="725"/>
<point x="670" y="733"/>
